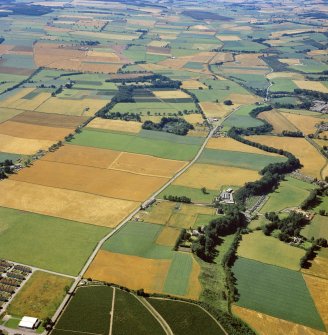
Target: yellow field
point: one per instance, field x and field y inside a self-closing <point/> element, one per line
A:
<point x="222" y="57"/>
<point x="214" y="176"/>
<point x="66" y="204"/>
<point x="106" y="56"/>
<point x="147" y="165"/>
<point x="195" y="288"/>
<point x="158" y="44"/>
<point x="227" y="143"/>
<point x="85" y="107"/>
<point x="168" y="236"/>
<point x="7" y="113"/>
<point x="318" y="288"/>
<point x="15" y="97"/>
<point x="27" y="104"/>
<point x="228" y="37"/>
<point x="290" y="61"/>
<point x="40" y="296"/>
<point x="192" y="85"/>
<point x="291" y="75"/>
<point x="305" y="123"/>
<point x="130" y="271"/>
<point x="278" y="121"/>
<point x="109" y="183"/>
<point x="248" y="60"/>
<point x="31" y="131"/>
<point x="23" y="146"/>
<point x="300" y="147"/>
<point x="194" y="118"/>
<point x="215" y="110"/>
<point x="171" y="94"/>
<point x="242" y="99"/>
<point x="311" y="85"/>
<point x="159" y="213"/>
<point x="319" y="266"/>
<point x="116" y="125"/>
<point x="267" y="325"/>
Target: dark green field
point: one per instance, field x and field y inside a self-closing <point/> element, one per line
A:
<point x="185" y="318"/>
<point x="275" y="291"/>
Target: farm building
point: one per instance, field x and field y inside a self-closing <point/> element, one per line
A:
<point x="226" y="197"/>
<point x="28" y="322"/>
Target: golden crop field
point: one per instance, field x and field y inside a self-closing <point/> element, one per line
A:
<point x="130" y="271"/>
<point x="312" y="160"/>
<point x="241" y="99"/>
<point x="40" y="296"/>
<point x="215" y="110"/>
<point x="30" y="131"/>
<point x="305" y="123"/>
<point x="194" y="118"/>
<point x="29" y="104"/>
<point x="193" y="85"/>
<point x="278" y="121"/>
<point x="168" y="236"/>
<point x="11" y="99"/>
<point x="158" y="213"/>
<point x="290" y="75"/>
<point x="319" y="266"/>
<point x="290" y="61"/>
<point x="82" y="155"/>
<point x="318" y="288"/>
<point x="104" y="182"/>
<point x="66" y="204"/>
<point x="264" y="324"/>
<point x="171" y="94"/>
<point x="23" y="146"/>
<point x="147" y="165"/>
<point x="7" y="113"/>
<point x="215" y="176"/>
<point x="116" y="125"/>
<point x="229" y="144"/>
<point x="311" y="85"/>
<point x="228" y="37"/>
<point x="249" y="60"/>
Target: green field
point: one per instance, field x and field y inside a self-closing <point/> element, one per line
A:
<point x="290" y="193"/>
<point x="94" y="304"/>
<point x="131" y="317"/>
<point x="322" y="205"/>
<point x="242" y="46"/>
<point x="317" y="228"/>
<point x="138" y="239"/>
<point x="196" y="195"/>
<point x="138" y="144"/>
<point x="270" y="250"/>
<point x="275" y="291"/>
<point x="204" y="220"/>
<point x="283" y="85"/>
<point x="185" y="318"/>
<point x="47" y="242"/>
<point x="5" y="155"/>
<point x="238" y="159"/>
<point x="177" y="280"/>
<point x="241" y="118"/>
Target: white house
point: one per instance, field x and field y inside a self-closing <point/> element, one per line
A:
<point x="28" y="322"/>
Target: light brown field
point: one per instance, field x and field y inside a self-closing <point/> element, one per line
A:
<point x="215" y="110"/>
<point x="171" y="94"/>
<point x="147" y="165"/>
<point x="242" y="99"/>
<point x="291" y="75"/>
<point x="300" y="147"/>
<point x="25" y="130"/>
<point x="8" y="102"/>
<point x="30" y="104"/>
<point x="23" y="146"/>
<point x="249" y="60"/>
<point x="267" y="325"/>
<point x="228" y="37"/>
<point x="318" y="288"/>
<point x="290" y="61"/>
<point x="311" y="85"/>
<point x="278" y="121"/>
<point x="195" y="288"/>
<point x="305" y="123"/>
<point x="82" y="107"/>
<point x="192" y="85"/>
<point x="129" y="271"/>
<point x="227" y="143"/>
<point x="7" y="113"/>
<point x="194" y="118"/>
<point x="101" y="56"/>
<point x="222" y="57"/>
<point x="82" y="155"/>
<point x="108" y="183"/>
<point x="319" y="266"/>
<point x="158" y="44"/>
<point x="214" y="176"/>
<point x="40" y="296"/>
<point x="159" y="213"/>
<point x="235" y="69"/>
<point x="168" y="236"/>
<point x="66" y="204"/>
<point x="116" y="125"/>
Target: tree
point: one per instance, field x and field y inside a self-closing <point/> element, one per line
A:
<point x="204" y="190"/>
<point x="322" y="212"/>
<point x="228" y="102"/>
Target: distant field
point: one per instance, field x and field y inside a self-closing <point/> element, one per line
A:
<point x="241" y="118"/>
<point x="45" y="241"/>
<point x="40" y="296"/>
<point x="290" y="193"/>
<point x="131" y="317"/>
<point x="270" y="250"/>
<point x="275" y="291"/>
<point x="184" y="317"/>
<point x="306" y="124"/>
<point x="115" y="125"/>
<point x="137" y="144"/>
<point x="278" y="121"/>
<point x="239" y="159"/>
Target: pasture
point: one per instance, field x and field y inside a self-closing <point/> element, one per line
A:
<point x="275" y="291"/>
<point x="241" y="118"/>
<point x="214" y="176"/>
<point x="184" y="317"/>
<point x="317" y="228"/>
<point x="40" y="296"/>
<point x="269" y="250"/>
<point x="45" y="241"/>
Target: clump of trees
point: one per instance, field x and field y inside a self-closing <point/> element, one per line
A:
<point x="172" y="125"/>
<point x="177" y="198"/>
<point x="124" y="116"/>
<point x="289" y="133"/>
